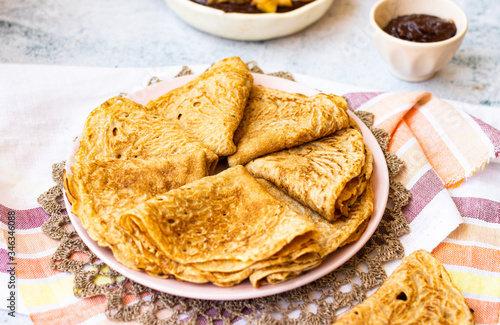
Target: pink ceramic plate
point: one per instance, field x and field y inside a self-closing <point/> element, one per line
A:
<point x="245" y="290"/>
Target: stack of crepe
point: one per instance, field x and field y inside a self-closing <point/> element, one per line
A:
<point x="298" y="185"/>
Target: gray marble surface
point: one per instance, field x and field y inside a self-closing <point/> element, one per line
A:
<point x="145" y="33"/>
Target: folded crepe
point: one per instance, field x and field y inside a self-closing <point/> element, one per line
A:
<point x="280" y="273"/>
<point x="315" y="173"/>
<point x="210" y="107"/>
<point x="123" y="129"/>
<point x="357" y="233"/>
<point x="227" y="219"/>
<point x="356" y="186"/>
<point x="331" y="235"/>
<point x="276" y="120"/>
<point x="195" y="272"/>
<point x="100" y="189"/>
<point x="419" y="291"/>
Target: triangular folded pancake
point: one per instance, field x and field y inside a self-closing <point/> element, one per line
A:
<point x="210" y="107"/>
<point x="302" y="258"/>
<point x="230" y="213"/>
<point x="419" y="291"/>
<point x="302" y="248"/>
<point x="331" y="234"/>
<point x="225" y="277"/>
<point x="100" y="189"/>
<point x="276" y="120"/>
<point x="301" y="254"/>
<point x="123" y="129"/>
<point x="315" y="173"/>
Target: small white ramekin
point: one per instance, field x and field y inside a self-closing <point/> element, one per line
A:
<point x="412" y="61"/>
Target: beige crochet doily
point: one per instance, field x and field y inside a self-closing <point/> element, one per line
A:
<point x="315" y="303"/>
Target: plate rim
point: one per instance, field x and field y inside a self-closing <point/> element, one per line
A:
<point x="243" y="290"/>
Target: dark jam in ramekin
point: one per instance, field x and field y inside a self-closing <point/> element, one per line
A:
<point x="421" y="28"/>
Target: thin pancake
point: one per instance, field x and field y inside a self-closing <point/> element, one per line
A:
<point x="303" y="248"/>
<point x="210" y="107"/>
<point x="276" y="120"/>
<point x="280" y="273"/>
<point x="100" y="189"/>
<point x="357" y="233"/>
<point x="331" y="234"/>
<point x="419" y="291"/>
<point x="138" y="255"/>
<point x="315" y="173"/>
<point x="356" y="186"/>
<point x="225" y="216"/>
<point x="227" y="278"/>
<point x="224" y="278"/>
<point x="123" y="129"/>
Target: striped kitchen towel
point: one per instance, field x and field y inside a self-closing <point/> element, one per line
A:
<point x="46" y="294"/>
<point x="471" y="253"/>
<point x="454" y="144"/>
<point x="442" y="147"/>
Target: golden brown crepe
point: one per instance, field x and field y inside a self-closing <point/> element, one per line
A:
<point x="224" y="217"/>
<point x="302" y="248"/>
<point x="356" y="234"/>
<point x="227" y="212"/>
<point x="279" y="273"/>
<point x="315" y="173"/>
<point x="210" y="107"/>
<point x="303" y="258"/>
<point x="100" y="189"/>
<point x="129" y="153"/>
<point x="419" y="291"/>
<point x="331" y="234"/>
<point x="356" y="186"/>
<point x="276" y="120"/>
<point x="123" y="129"/>
<point x="139" y="255"/>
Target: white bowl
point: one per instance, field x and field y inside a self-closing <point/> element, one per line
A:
<point x="248" y="27"/>
<point x="413" y="61"/>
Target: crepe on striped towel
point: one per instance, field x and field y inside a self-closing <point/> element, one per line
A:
<point x="418" y="292"/>
<point x="442" y="146"/>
